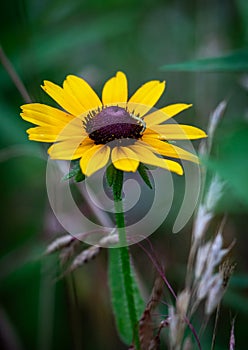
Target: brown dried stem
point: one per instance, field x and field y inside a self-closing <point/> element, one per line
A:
<point x="14" y="76"/>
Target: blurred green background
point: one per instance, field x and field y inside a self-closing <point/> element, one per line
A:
<point x="48" y="39"/>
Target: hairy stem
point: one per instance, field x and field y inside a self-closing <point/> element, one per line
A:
<point x="126" y="269"/>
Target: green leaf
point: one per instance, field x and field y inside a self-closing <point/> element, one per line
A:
<point x="231" y="164"/>
<point x="143" y="171"/>
<point x="118" y="296"/>
<point x="234" y="62"/>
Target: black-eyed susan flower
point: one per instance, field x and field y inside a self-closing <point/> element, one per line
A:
<point x="114" y="129"/>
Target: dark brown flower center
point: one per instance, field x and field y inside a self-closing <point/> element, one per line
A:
<point x="113" y="123"/>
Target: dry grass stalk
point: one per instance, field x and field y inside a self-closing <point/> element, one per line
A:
<point x="84" y="257"/>
<point x="202" y="281"/>
<point x="176" y="329"/>
<point x="111" y="240"/>
<point x="187" y="344"/>
<point x="203" y="218"/>
<point x="226" y="269"/>
<point x="67" y="253"/>
<point x="156" y="294"/>
<point x="59" y="244"/>
<point x="182" y="303"/>
<point x="232" y="337"/>
<point x="68" y="246"/>
<point x="146" y="329"/>
<point x="207" y="283"/>
<point x="214" y="120"/>
<point x="154" y="345"/>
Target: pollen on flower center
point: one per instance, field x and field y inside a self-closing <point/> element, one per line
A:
<point x="112" y="123"/>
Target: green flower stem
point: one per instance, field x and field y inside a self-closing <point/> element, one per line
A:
<point x="126" y="268"/>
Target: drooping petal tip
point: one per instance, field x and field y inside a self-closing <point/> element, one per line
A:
<point x="125" y="159"/>
<point x="94" y="159"/>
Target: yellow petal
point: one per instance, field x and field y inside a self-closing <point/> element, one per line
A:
<point x="168" y="150"/>
<point x="146" y="97"/>
<point x="43" y="134"/>
<point x="145" y="155"/>
<point x="94" y="159"/>
<point x="82" y="92"/>
<point x="44" y="115"/>
<point x="72" y="129"/>
<point x="66" y="101"/>
<point x="165" y="113"/>
<point x="69" y="150"/>
<point x="177" y="132"/>
<point x="115" y="90"/>
<point x="124" y="159"/>
<point x="53" y="134"/>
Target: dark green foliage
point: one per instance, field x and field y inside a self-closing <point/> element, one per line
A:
<point x="233" y="62"/>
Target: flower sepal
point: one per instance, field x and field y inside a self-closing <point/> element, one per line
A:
<point x="144" y="173"/>
<point x="75" y="173"/>
<point x="115" y="180"/>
